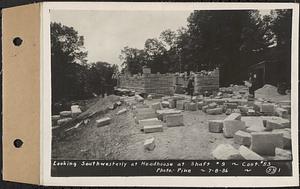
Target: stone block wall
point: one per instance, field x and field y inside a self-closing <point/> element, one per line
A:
<point x="207" y="82"/>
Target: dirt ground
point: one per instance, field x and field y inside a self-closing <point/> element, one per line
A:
<point x="123" y="139"/>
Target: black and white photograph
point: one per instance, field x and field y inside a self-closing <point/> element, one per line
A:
<point x="171" y="85"/>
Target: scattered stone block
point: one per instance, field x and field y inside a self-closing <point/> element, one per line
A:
<point x="149" y="144"/>
<point x="204" y="108"/>
<point x="180" y="104"/>
<point x="200" y="105"/>
<point x="212" y="105"/>
<point x="124" y="110"/>
<point x="243" y="109"/>
<point x="103" y="121"/>
<point x="236" y="111"/>
<point x="267" y="108"/>
<point x="63" y="121"/>
<point x="172" y="103"/>
<point x="151" y="121"/>
<point x="226" y="152"/>
<point x="234" y="116"/>
<point x="54" y="119"/>
<point x="138" y="98"/>
<point x="228" y="111"/>
<point x="264" y="143"/>
<point x="149" y="97"/>
<point x="273" y="122"/>
<point x="156" y="106"/>
<point x="287" y="142"/>
<point x="214" y="111"/>
<point x="75" y="110"/>
<point x="215" y="126"/>
<point x="242" y="138"/>
<point x="165" y="104"/>
<point x="281" y="112"/>
<point x="251" y="112"/>
<point x="248" y="154"/>
<point x="153" y="128"/>
<point x="145" y="115"/>
<point x="163" y="113"/>
<point x="65" y="114"/>
<point x="119" y="103"/>
<point x="174" y="120"/>
<point x="229" y="105"/>
<point x="287" y="107"/>
<point x="190" y="106"/>
<point x="139" y="106"/>
<point x="232" y="126"/>
<point x="282" y="154"/>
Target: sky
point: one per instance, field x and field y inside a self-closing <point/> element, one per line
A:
<point x="107" y="32"/>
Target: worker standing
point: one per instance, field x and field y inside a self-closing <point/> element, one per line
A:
<point x="190" y="87"/>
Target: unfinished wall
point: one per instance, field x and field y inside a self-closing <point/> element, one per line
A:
<point x="149" y="83"/>
<point x="207" y="81"/>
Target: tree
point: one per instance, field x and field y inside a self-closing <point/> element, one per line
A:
<point x="68" y="63"/>
<point x="133" y="59"/>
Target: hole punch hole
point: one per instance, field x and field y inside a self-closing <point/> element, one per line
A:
<point x="17" y="41"/>
<point x="18" y="143"/>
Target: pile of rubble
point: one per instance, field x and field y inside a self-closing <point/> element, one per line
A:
<point x="65" y="116"/>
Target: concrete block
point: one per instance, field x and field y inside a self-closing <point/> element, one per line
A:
<point x="165" y="104"/>
<point x="215" y="126"/>
<point x="153" y="128"/>
<point x="63" y="121"/>
<point x="122" y="111"/>
<point x="264" y="143"/>
<point x="151" y="121"/>
<point x="267" y="108"/>
<point x="242" y="138"/>
<point x="103" y="121"/>
<point x="282" y="154"/>
<point x="65" y="114"/>
<point x="248" y="154"/>
<point x="149" y="144"/>
<point x="234" y="116"/>
<point x="214" y="111"/>
<point x="232" y="126"/>
<point x="226" y="152"/>
<point x="156" y="106"/>
<point x="287" y="138"/>
<point x="174" y="120"/>
<point x="190" y="106"/>
<point x="180" y="104"/>
<point x="281" y="112"/>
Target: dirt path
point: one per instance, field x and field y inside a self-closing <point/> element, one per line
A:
<point x="123" y="139"/>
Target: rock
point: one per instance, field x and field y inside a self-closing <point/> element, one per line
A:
<point x="124" y="110"/>
<point x="54" y="119"/>
<point x="232" y="126"/>
<point x="214" y="111"/>
<point x="215" y="126"/>
<point x="153" y="128"/>
<point x="65" y="114"/>
<point x="103" y="121"/>
<point x="174" y="120"/>
<point x="149" y="97"/>
<point x="63" y="121"/>
<point x="264" y="143"/>
<point x="282" y="154"/>
<point x="75" y="110"/>
<point x="233" y="116"/>
<point x="204" y="108"/>
<point x="138" y="98"/>
<point x="149" y="144"/>
<point x="226" y="152"/>
<point x="228" y="112"/>
<point x="242" y="138"/>
<point x="156" y="106"/>
<point x="248" y="154"/>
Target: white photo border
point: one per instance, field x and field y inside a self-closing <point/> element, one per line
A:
<point x="162" y="181"/>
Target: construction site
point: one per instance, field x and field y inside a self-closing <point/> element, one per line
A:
<point x="151" y="116"/>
